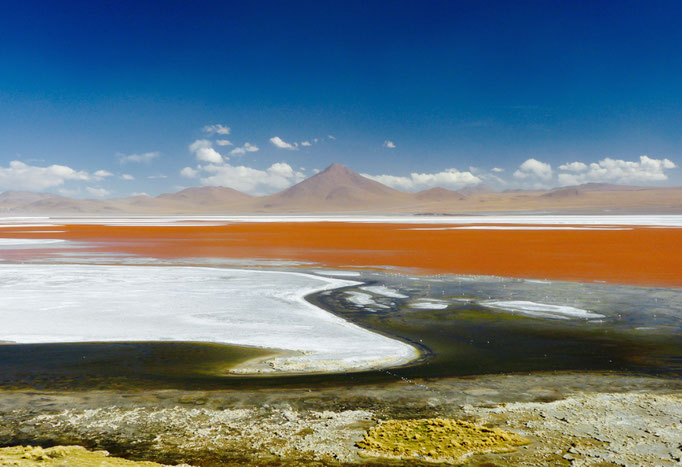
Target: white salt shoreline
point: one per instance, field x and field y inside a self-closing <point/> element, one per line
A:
<point x="267" y="309"/>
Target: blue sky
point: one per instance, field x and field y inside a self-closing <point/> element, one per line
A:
<point x="514" y="94"/>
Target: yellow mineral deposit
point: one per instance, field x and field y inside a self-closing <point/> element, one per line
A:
<point x="72" y="456"/>
<point x="436" y="440"/>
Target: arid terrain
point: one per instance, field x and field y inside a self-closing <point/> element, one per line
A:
<point x="338" y="189"/>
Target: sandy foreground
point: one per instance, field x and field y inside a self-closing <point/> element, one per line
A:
<point x="568" y="419"/>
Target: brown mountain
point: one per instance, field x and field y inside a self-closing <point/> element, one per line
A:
<point x="15" y="199"/>
<point x="207" y="196"/>
<point x="567" y="192"/>
<point x="439" y="194"/>
<point x="479" y="189"/>
<point x="337" y="187"/>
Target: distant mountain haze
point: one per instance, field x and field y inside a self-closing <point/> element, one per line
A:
<point x="339" y="189"/>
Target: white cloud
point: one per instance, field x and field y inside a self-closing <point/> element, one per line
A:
<point x="534" y="168"/>
<point x="127" y="177"/>
<point x="389" y="144"/>
<point x="497" y="170"/>
<point x="305" y="143"/>
<point x="280" y="143"/>
<point x="249" y="180"/>
<point x="451" y="178"/>
<point x="331" y="137"/>
<point x="203" y="151"/>
<point x="157" y="177"/>
<point x="20" y="176"/>
<point x="138" y="158"/>
<point x="139" y="193"/>
<point x="218" y="129"/>
<point x="223" y="142"/>
<point x="99" y="192"/>
<point x="647" y="169"/>
<point x="189" y="172"/>
<point x="100" y="174"/>
<point x="574" y="167"/>
<point x="247" y="147"/>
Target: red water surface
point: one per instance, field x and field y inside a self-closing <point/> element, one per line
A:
<point x="638" y="256"/>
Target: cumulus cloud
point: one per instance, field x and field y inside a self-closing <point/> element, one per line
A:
<point x="305" y="143"/>
<point x="98" y="192"/>
<point x="189" y="172"/>
<point x="102" y="174"/>
<point x="497" y="170"/>
<point x="127" y="177"/>
<point x="389" y="144"/>
<point x="146" y="157"/>
<point x="534" y="169"/>
<point x="249" y="180"/>
<point x="157" y="177"/>
<point x="203" y="151"/>
<point x="281" y="144"/>
<point x="217" y="129"/>
<point x="647" y="169"/>
<point x="331" y="137"/>
<point x="223" y="142"/>
<point x="574" y="167"/>
<point x="247" y="147"/>
<point x="20" y="176"/>
<point x="451" y="178"/>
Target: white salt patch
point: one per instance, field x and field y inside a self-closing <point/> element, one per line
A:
<point x="339" y="273"/>
<point x="96" y="303"/>
<point x="363" y="300"/>
<point x="541" y="309"/>
<point x="383" y="290"/>
<point x="429" y="304"/>
<point x="28" y="242"/>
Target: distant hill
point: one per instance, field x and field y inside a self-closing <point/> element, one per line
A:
<point x="13" y="199"/>
<point x="336" y="187"/>
<point x="340" y="189"/>
<point x="207" y="196"/>
<point x="479" y="189"/>
<point x="439" y="194"/>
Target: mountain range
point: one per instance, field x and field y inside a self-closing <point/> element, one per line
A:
<point x="339" y="189"/>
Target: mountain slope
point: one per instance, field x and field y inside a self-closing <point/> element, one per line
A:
<point x="439" y="194"/>
<point x="337" y="187"/>
<point x="207" y="196"/>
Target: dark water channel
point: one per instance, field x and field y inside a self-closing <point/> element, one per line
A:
<point x="638" y="333"/>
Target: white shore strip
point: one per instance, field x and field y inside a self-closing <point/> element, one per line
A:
<point x="29" y="243"/>
<point x="662" y="220"/>
<point x="97" y="303"/>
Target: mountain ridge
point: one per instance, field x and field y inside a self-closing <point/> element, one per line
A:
<point x="340" y="189"/>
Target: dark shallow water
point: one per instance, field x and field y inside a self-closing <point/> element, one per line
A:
<point x="639" y="334"/>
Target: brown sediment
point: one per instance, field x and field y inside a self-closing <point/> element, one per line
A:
<point x="436" y="440"/>
<point x="637" y="256"/>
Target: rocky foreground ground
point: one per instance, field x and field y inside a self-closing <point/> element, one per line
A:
<point x="567" y="420"/>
